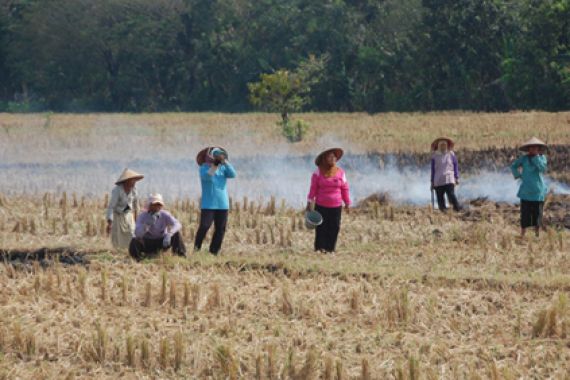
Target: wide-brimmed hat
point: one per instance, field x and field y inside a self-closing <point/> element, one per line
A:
<point x="533" y="142"/>
<point x="154" y="199"/>
<point x="129" y="174"/>
<point x="337" y="152"/>
<point x="449" y="141"/>
<point x="201" y="156"/>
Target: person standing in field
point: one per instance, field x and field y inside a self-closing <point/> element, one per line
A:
<point x="156" y="230"/>
<point x="215" y="170"/>
<point x="444" y="173"/>
<point x="529" y="168"/>
<point x="123" y="209"/>
<point x="329" y="190"/>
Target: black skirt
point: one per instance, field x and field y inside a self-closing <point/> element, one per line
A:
<point x="327" y="233"/>
<point x="531" y="213"/>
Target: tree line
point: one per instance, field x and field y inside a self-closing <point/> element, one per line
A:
<point x="200" y="55"/>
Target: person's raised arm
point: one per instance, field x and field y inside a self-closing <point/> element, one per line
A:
<point x="229" y="171"/>
<point x="205" y="174"/>
<point x="515" y="167"/>
<point x="539" y="162"/>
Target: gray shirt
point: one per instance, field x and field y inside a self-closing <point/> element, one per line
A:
<point x="121" y="202"/>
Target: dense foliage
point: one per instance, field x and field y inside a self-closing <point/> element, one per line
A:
<point x="196" y="55"/>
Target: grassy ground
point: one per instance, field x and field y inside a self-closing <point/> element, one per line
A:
<point x="411" y="294"/>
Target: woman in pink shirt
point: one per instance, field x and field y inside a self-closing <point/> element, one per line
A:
<point x="329" y="190"/>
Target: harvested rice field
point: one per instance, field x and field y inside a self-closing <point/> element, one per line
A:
<point x="412" y="293"/>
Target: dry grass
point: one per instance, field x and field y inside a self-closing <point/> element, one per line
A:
<point x="94" y="136"/>
<point x="397" y="301"/>
<point x="411" y="294"/>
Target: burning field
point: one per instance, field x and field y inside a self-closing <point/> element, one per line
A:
<point x="411" y="294"/>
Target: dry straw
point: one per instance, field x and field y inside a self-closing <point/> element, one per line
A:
<point x="228" y="363"/>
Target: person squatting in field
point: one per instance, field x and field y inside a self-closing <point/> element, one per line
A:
<point x="215" y="170"/>
<point x="529" y="168"/>
<point x="156" y="230"/>
<point x="329" y="190"/>
<point x="122" y="205"/>
<point x="444" y="173"/>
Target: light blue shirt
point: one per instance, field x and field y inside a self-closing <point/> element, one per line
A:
<point x="214" y="189"/>
<point x="532" y="186"/>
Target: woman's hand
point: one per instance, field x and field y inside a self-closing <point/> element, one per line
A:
<point x="212" y="170"/>
<point x="347" y="209"/>
<point x="109" y="226"/>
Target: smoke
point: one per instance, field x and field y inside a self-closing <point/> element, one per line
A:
<point x="259" y="178"/>
<point x="47" y="162"/>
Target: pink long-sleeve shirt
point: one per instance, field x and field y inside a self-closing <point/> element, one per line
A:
<point x="329" y="192"/>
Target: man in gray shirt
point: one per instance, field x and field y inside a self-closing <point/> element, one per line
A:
<point x="156" y="230"/>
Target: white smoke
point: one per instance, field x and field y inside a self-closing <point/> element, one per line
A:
<point x="259" y="178"/>
<point x="85" y="166"/>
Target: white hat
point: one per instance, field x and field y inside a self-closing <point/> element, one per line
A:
<point x="533" y="142"/>
<point x="129" y="174"/>
<point x="154" y="199"/>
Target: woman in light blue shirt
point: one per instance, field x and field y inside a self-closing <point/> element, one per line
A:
<point x="529" y="168"/>
<point x="214" y="173"/>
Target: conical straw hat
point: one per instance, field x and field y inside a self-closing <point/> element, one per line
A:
<point x="533" y="142"/>
<point x="129" y="174"/>
<point x="337" y="152"/>
<point x="435" y="143"/>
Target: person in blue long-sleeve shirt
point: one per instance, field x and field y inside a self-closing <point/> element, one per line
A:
<point x="215" y="170"/>
<point x="529" y="168"/>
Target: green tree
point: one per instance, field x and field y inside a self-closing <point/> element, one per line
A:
<point x="13" y="93"/>
<point x="108" y="54"/>
<point x="460" y="54"/>
<point x="288" y="91"/>
<point x="389" y="55"/>
<point x="536" y="65"/>
<point x="5" y="80"/>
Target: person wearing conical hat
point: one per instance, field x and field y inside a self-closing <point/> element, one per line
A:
<point x="329" y="190"/>
<point x="156" y="230"/>
<point x="444" y="172"/>
<point x="530" y="168"/>
<point x="123" y="209"/>
<point x="215" y="170"/>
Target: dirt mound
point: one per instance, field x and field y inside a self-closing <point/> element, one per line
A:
<point x="556" y="211"/>
<point x="376" y="198"/>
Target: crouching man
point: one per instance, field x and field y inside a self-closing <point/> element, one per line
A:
<point x="156" y="230"/>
